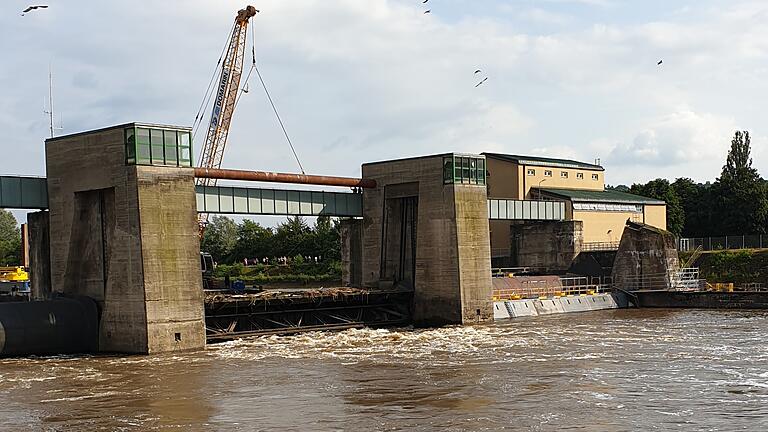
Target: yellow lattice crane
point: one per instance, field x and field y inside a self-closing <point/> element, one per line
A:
<point x="230" y="72"/>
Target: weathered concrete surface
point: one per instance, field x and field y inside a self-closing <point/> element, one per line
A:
<point x="351" y="233"/>
<point x="38" y="226"/>
<point x="547" y="245"/>
<point x="646" y="259"/>
<point x="119" y="234"/>
<point x="452" y="258"/>
<point x="474" y="255"/>
<point x="173" y="290"/>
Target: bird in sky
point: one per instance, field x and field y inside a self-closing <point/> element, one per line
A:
<point x="31" y="8"/>
<point x="660" y="62"/>
<point x="484" y="80"/>
<point x="477" y="71"/>
<point x="425" y="1"/>
<point x="428" y="11"/>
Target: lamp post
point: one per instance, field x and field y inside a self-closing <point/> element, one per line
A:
<point x="539" y="188"/>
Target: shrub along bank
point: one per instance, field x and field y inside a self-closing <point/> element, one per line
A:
<point x="741" y="266"/>
<point x="264" y="274"/>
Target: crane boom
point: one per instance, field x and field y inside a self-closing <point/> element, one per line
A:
<point x="224" y="104"/>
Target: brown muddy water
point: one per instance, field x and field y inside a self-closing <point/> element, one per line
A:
<point x="609" y="370"/>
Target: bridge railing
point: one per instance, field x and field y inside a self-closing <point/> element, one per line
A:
<point x="532" y="289"/>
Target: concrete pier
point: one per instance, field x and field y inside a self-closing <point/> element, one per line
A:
<point x="425" y="227"/>
<point x="125" y="235"/>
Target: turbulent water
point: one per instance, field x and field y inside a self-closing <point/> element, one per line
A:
<point x="609" y="370"/>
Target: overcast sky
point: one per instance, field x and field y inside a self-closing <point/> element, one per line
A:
<point x="366" y="80"/>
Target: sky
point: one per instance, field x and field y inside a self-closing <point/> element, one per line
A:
<point x="365" y="80"/>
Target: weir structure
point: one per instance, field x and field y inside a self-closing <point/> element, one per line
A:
<point x="118" y="225"/>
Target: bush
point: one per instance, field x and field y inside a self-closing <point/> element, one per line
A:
<point x="742" y="266"/>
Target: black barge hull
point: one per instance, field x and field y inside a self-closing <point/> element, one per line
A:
<point x="700" y="299"/>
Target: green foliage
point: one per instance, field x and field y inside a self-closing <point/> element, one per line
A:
<point x="291" y="273"/>
<point x="661" y="189"/>
<point x="734" y="266"/>
<point x="10" y="240"/>
<point x="220" y="238"/>
<point x="740" y="196"/>
<point x="229" y="242"/>
<point x="735" y="204"/>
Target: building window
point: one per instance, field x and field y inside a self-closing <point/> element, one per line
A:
<point x="595" y="177"/>
<point x="580" y="176"/>
<point x="547" y="173"/>
<point x="531" y="172"/>
<point x="152" y="146"/>
<point x="464" y="169"/>
<point x="563" y="174"/>
<point x="608" y="207"/>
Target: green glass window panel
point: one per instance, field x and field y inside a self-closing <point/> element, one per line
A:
<point x="448" y="169"/>
<point x="130" y="146"/>
<point x="142" y="154"/>
<point x="142" y="136"/>
<point x="156" y="139"/>
<point x="185" y="149"/>
<point x="473" y="171"/>
<point x="457" y="169"/>
<point x="142" y="146"/>
<point x="185" y="156"/>
<point x="481" y="171"/>
<point x="465" y="170"/>
<point x="169" y="137"/>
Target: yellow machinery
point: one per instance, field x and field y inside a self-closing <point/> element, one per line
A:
<point x="13" y="274"/>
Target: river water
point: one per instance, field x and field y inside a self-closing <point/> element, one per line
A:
<point x="608" y="370"/>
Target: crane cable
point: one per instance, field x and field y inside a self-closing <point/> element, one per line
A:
<point x="209" y="91"/>
<point x="271" y="102"/>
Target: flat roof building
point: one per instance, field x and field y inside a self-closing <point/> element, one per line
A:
<point x="602" y="212"/>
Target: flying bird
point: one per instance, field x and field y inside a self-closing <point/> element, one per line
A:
<point x="477" y="71"/>
<point x="660" y="62"/>
<point x="484" y="80"/>
<point x="425" y="1"/>
<point x="428" y="11"/>
<point x="31" y="8"/>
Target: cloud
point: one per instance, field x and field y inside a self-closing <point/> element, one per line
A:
<point x="360" y="81"/>
<point x="680" y="137"/>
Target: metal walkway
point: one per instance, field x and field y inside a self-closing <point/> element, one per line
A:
<point x="280" y="202"/>
<point x="508" y="209"/>
<point x="23" y="193"/>
<point x="31" y="193"/>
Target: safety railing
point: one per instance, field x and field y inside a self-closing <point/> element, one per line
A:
<point x="532" y="289"/>
<point x="511" y="271"/>
<point x="600" y="246"/>
<point x="686" y="279"/>
<point x="754" y="241"/>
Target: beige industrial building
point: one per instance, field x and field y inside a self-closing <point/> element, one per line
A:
<point x="602" y="213"/>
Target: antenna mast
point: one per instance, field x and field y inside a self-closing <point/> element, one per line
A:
<point x="50" y="99"/>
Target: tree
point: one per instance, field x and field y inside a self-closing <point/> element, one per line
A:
<point x="661" y="189"/>
<point x="253" y="241"/>
<point x="292" y="237"/>
<point x="10" y="240"/>
<point x="740" y="196"/>
<point x="695" y="199"/>
<point x="619" y="188"/>
<point x="327" y="239"/>
<point x="220" y="239"/>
